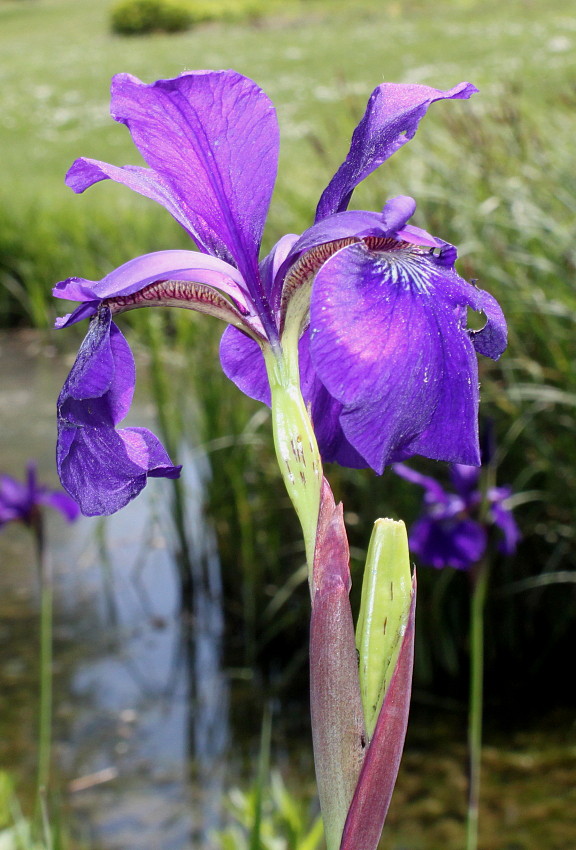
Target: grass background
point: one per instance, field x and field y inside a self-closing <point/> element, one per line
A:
<point x="494" y="175"/>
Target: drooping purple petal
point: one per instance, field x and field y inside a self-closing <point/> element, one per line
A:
<point x="146" y="451"/>
<point x="391" y="119"/>
<point x="211" y="141"/>
<point x="242" y="361"/>
<point x="325" y="412"/>
<point x="491" y="340"/>
<point x="387" y="341"/>
<point x="103" y="469"/>
<point x="377" y="779"/>
<point x="448" y="542"/>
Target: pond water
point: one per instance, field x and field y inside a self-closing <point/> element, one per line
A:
<point x="135" y="704"/>
<point x="153" y="730"/>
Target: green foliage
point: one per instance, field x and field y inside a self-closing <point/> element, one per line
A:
<point x="141" y="17"/>
<point x="284" y="821"/>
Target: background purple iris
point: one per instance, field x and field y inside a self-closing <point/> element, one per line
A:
<point x="21" y="501"/>
<point x="453" y="528"/>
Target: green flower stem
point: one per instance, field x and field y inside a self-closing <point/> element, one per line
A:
<point x="45" y="696"/>
<point x="477" y="603"/>
<point x="295" y="442"/>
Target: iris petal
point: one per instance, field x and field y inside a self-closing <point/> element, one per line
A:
<point x="387" y="341"/>
<point x="211" y="141"/>
<point x="391" y="119"/>
<point x="103" y="469"/>
<point x="448" y="543"/>
<point x="242" y="362"/>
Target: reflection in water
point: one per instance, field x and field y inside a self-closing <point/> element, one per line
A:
<point x="139" y="690"/>
<point x="155" y="699"/>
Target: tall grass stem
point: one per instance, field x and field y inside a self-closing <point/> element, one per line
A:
<point x="45" y="677"/>
<point x="477" y="604"/>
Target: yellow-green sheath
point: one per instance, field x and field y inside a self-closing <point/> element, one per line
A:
<point x="295" y="442"/>
<point x="384" y="611"/>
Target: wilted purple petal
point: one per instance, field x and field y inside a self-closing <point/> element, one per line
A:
<point x="146" y="451"/>
<point x="391" y="119"/>
<point x="101" y="468"/>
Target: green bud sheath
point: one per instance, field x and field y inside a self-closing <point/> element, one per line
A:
<point x="295" y="443"/>
<point x="384" y="612"/>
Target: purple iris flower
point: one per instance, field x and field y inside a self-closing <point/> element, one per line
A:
<point x="452" y="531"/>
<point x="21" y="501"/>
<point x="388" y="366"/>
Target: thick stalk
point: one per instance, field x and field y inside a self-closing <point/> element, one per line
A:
<point x="295" y="443"/>
<point x="477" y="603"/>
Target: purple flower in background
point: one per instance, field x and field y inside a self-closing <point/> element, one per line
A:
<point x="21" y="501"/>
<point x="388" y="366"/>
<point x="451" y="531"/>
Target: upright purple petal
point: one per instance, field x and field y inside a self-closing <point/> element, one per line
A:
<point x="211" y="140"/>
<point x="103" y="469"/>
<point x="391" y="119"/>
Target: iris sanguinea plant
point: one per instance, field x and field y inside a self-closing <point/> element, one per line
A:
<point x="354" y="333"/>
<point x="387" y="366"/>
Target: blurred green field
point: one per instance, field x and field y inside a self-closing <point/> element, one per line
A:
<point x="494" y="175"/>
